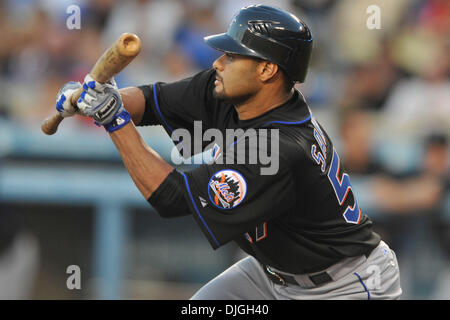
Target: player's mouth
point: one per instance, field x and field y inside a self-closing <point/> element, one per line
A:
<point x="218" y="81"/>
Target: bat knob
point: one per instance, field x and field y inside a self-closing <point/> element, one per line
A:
<point x="50" y="125"/>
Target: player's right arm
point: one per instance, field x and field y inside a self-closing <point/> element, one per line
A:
<point x="172" y="105"/>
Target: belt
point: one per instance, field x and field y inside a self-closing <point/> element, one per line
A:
<point x="316" y="278"/>
<point x="277" y="278"/>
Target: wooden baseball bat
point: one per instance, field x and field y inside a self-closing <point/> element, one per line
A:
<point x="113" y="60"/>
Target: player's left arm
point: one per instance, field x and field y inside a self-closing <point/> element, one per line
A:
<point x="104" y="103"/>
<point x="145" y="166"/>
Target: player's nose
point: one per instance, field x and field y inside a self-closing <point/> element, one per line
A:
<point x="218" y="63"/>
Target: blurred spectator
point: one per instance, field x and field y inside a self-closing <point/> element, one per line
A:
<point x="355" y="42"/>
<point x="368" y="85"/>
<point x="421" y="190"/>
<point x="421" y="48"/>
<point x="392" y="193"/>
<point x="425" y="246"/>
<point x="199" y="22"/>
<point x="356" y="129"/>
<point x="98" y="13"/>
<point x="409" y="209"/>
<point x="438" y="164"/>
<point x="420" y="103"/>
<point x="434" y="15"/>
<point x="154" y="21"/>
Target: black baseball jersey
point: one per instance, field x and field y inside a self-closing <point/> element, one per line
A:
<point x="296" y="212"/>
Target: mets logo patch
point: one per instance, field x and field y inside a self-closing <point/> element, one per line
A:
<point x="226" y="189"/>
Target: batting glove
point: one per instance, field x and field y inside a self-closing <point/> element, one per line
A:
<point x="102" y="102"/>
<point x="63" y="104"/>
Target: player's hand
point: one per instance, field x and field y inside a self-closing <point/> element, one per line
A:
<point x="63" y="104"/>
<point x="102" y="102"/>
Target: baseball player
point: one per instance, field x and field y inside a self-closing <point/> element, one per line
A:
<point x="305" y="234"/>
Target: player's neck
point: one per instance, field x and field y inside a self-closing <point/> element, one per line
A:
<point x="261" y="103"/>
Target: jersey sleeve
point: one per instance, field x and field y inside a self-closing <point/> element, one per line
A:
<point x="229" y="200"/>
<point x="186" y="105"/>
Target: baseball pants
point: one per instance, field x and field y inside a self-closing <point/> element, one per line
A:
<point x="363" y="278"/>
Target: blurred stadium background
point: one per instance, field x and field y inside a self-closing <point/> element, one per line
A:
<point x="382" y="94"/>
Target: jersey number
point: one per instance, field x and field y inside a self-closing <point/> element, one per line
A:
<point x="342" y="188"/>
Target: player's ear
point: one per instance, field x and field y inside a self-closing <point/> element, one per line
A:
<point x="267" y="70"/>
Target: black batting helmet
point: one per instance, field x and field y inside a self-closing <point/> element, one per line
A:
<point x="271" y="34"/>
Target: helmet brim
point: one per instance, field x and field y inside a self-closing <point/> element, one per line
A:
<point x="223" y="42"/>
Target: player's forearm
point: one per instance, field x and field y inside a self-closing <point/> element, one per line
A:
<point x="147" y="169"/>
<point x="402" y="197"/>
<point x="134" y="101"/>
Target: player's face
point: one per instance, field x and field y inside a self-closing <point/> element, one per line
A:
<point x="236" y="78"/>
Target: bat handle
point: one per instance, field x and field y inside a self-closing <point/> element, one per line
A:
<point x="50" y="125"/>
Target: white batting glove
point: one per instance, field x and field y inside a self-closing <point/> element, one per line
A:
<point x="103" y="103"/>
<point x="63" y="104"/>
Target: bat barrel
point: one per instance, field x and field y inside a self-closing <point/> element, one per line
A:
<point x="129" y="45"/>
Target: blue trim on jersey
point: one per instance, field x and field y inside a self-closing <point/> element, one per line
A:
<point x="161" y="115"/>
<point x="159" y="111"/>
<point x="364" y="286"/>
<point x="288" y="122"/>
<point x="198" y="212"/>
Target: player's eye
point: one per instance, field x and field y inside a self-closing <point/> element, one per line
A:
<point x="229" y="56"/>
